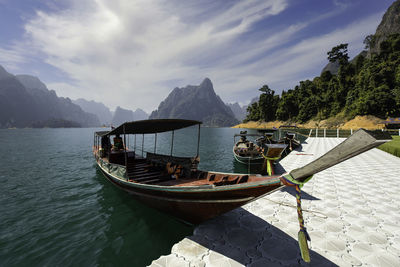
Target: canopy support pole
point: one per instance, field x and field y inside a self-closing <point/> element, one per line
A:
<point x="198" y="142"/>
<point x="172" y="142"/>
<point x="155" y="143"/>
<point x="134" y="147"/>
<point x="142" y="144"/>
<point x="126" y="157"/>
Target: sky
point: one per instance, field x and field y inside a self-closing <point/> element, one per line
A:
<point x="133" y="53"/>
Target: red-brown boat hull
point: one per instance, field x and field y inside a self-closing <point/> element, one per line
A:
<point x="196" y="206"/>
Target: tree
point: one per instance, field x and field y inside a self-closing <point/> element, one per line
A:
<point x="253" y="112"/>
<point x="268" y="103"/>
<point x="339" y="53"/>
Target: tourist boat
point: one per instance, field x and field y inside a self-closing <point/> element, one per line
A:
<point x="290" y="140"/>
<point x="266" y="138"/>
<point x="175" y="185"/>
<point x="246" y="151"/>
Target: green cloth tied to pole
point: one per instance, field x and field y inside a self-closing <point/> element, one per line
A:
<point x="303" y="236"/>
<point x="269" y="163"/>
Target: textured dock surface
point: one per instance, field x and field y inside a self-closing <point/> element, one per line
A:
<point x="351" y="211"/>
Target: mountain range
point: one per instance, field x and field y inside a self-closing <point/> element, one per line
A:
<point x="122" y="115"/>
<point x="103" y="113"/>
<point x="238" y="111"/>
<point x="196" y="103"/>
<point x="25" y="101"/>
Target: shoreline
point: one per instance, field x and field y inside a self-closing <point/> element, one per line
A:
<point x="367" y="122"/>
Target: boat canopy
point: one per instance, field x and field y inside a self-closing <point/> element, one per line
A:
<point x="254" y="135"/>
<point x="152" y="126"/>
<point x="102" y="133"/>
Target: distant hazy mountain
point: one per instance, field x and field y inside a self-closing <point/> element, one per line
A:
<point x="332" y="67"/>
<point x="4" y="74"/>
<point x="25" y="100"/>
<point x="238" y="111"/>
<point x="140" y="114"/>
<point x="31" y="83"/>
<point x="99" y="109"/>
<point x="196" y="103"/>
<point x="254" y="100"/>
<point x="123" y="115"/>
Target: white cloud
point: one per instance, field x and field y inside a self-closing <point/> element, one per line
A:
<point x="126" y="52"/>
<point x="285" y="67"/>
<point x="120" y="52"/>
<point x="11" y="58"/>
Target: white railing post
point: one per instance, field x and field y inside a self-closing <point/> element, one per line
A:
<point x="399" y="132"/>
<point x="316" y="132"/>
<point x="324" y="132"/>
<point x="351" y="131"/>
<point x="337" y="132"/>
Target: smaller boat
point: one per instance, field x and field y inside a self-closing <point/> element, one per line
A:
<point x="266" y="138"/>
<point x="263" y="151"/>
<point x="290" y="140"/>
<point x="246" y="151"/>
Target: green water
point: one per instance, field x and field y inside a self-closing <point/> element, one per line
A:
<point x="56" y="208"/>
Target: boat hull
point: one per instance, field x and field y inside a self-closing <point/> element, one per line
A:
<point x="249" y="160"/>
<point x="195" y="206"/>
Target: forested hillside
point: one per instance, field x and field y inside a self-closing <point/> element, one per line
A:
<point x="368" y="85"/>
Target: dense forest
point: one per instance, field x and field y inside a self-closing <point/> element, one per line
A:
<point x="367" y="85"/>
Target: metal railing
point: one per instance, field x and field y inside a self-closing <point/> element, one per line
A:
<point x="325" y="133"/>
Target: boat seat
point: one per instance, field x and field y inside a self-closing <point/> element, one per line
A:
<point x="148" y="178"/>
<point x="157" y="180"/>
<point x="243" y="179"/>
<point x="212" y="178"/>
<point x="202" y="175"/>
<point x="224" y="181"/>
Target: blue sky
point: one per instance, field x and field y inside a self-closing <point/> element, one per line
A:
<point x="132" y="53"/>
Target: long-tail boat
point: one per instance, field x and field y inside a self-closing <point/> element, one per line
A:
<point x="176" y="186"/>
<point x="245" y="150"/>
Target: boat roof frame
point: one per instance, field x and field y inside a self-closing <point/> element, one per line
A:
<point x="150" y="126"/>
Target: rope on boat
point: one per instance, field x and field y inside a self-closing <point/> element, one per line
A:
<point x="303" y="236"/>
<point x="269" y="163"/>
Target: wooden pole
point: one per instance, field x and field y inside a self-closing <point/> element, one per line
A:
<point x="155" y="143"/>
<point x="172" y="142"/>
<point x="198" y="142"/>
<point x="126" y="157"/>
<point x="142" y="144"/>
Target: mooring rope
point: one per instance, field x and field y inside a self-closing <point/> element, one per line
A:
<point x="303" y="236"/>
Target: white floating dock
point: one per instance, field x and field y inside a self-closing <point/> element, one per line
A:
<point x="351" y="211"/>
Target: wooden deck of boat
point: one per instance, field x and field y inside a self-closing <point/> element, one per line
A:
<point x="141" y="171"/>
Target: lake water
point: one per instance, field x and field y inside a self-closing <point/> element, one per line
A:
<point x="56" y="208"/>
